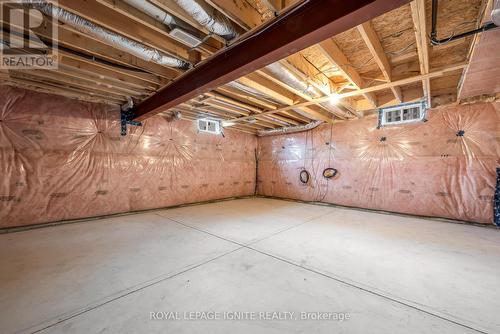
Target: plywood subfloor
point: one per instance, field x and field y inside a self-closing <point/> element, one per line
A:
<point x="391" y="274"/>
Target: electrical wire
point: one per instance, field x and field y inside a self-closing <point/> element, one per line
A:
<point x="403" y="50"/>
<point x="329" y="163"/>
<point x="356" y="67"/>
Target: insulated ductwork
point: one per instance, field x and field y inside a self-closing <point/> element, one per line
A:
<point x="302" y="113"/>
<point x="209" y="18"/>
<point x="290" y="129"/>
<point x="174" y="116"/>
<point x="268" y="118"/>
<point x="495" y="13"/>
<point x="120" y="42"/>
<point x="153" y="11"/>
<point x="264" y="97"/>
<point x="282" y="73"/>
<point x="159" y="15"/>
<point x="129" y="105"/>
<point x="251" y="91"/>
<point x="332" y="107"/>
<point x="285" y="75"/>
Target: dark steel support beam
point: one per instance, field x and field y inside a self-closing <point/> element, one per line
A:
<point x="297" y="28"/>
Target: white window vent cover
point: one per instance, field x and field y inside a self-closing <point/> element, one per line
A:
<point x="184" y="37"/>
<point x="209" y="126"/>
<point x="404" y="113"/>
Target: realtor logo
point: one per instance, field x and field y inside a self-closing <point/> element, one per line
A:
<point x="28" y="37"/>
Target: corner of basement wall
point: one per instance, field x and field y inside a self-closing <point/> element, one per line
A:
<point x="423" y="169"/>
<point x="63" y="159"/>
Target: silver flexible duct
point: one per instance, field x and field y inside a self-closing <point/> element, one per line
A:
<point x="285" y="75"/>
<point x="153" y="11"/>
<point x="251" y="91"/>
<point x="120" y="42"/>
<point x="159" y="14"/>
<point x="495" y="13"/>
<point x="206" y="16"/>
<point x="305" y="114"/>
<point x="262" y="96"/>
<point x="222" y="27"/>
<point x="129" y="105"/>
<point x="173" y="116"/>
<point x="209" y="18"/>
<point x="275" y="120"/>
<point x="290" y="129"/>
<point x="282" y="73"/>
<point x="334" y="108"/>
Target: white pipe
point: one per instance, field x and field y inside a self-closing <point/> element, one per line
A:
<point x="120" y="42"/>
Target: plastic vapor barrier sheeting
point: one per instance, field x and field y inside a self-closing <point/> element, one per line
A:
<point x="444" y="167"/>
<point x="62" y="159"/>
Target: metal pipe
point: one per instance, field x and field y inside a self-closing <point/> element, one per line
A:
<point x="434" y="19"/>
<point x="486" y="27"/>
<point x="109" y="37"/>
<point x="453" y="37"/>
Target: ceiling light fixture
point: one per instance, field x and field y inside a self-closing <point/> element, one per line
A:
<point x="334" y="98"/>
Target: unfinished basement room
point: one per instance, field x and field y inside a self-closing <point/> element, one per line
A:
<point x="250" y="166"/>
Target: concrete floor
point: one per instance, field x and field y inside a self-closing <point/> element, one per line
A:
<point x="389" y="274"/>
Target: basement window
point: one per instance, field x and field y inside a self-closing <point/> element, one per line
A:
<point x="209" y="126"/>
<point x="404" y="113"/>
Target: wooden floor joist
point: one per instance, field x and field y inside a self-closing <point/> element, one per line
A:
<point x="381" y="87"/>
<point x="333" y="53"/>
<point x="110" y="19"/>
<point x="370" y="63"/>
<point x="265" y="45"/>
<point x="373" y="43"/>
<point x="418" y="15"/>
